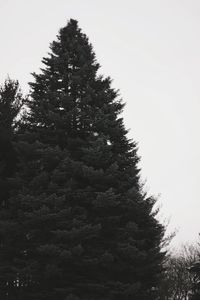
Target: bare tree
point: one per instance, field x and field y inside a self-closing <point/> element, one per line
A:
<point x="178" y="281"/>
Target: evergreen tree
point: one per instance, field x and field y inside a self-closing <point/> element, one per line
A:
<point x="88" y="231"/>
<point x="11" y="101"/>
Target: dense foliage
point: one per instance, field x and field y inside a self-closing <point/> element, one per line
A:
<point x="195" y="271"/>
<point x="11" y="102"/>
<point x="78" y="225"/>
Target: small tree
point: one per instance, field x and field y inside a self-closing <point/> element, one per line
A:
<point x="11" y="102"/>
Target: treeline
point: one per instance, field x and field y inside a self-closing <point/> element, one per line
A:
<point x="75" y="222"/>
<point x="181" y="276"/>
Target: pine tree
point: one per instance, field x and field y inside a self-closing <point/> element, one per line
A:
<point x="11" y="101"/>
<point x="89" y="230"/>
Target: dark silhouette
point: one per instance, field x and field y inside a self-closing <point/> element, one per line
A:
<point x="195" y="271"/>
<point x="11" y="101"/>
<point x="86" y="230"/>
<point x="10" y="104"/>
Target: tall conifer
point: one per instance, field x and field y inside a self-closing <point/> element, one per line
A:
<point x="90" y="232"/>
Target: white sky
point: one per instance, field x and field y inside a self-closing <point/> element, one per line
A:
<point x="151" y="50"/>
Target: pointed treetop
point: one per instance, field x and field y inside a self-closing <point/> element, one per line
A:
<point x="72" y="42"/>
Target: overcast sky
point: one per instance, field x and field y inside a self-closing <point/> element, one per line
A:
<point x="151" y="50"/>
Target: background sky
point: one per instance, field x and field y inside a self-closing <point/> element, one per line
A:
<point x="151" y="50"/>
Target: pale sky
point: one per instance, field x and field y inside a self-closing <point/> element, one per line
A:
<point x="151" y="50"/>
